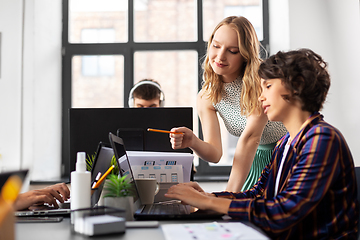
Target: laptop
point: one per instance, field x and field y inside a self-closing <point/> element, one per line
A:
<point x="168" y="210"/>
<point x="101" y="164"/>
<point x="102" y="161"/>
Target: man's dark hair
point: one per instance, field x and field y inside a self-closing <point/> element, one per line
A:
<point x="147" y="91"/>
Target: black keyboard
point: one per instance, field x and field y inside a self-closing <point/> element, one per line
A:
<point x="167" y="208"/>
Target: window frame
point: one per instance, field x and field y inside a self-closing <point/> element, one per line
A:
<point x="128" y="49"/>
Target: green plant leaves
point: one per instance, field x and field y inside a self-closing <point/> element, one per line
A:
<point x="116" y="168"/>
<point x="90" y="161"/>
<point x="117" y="186"/>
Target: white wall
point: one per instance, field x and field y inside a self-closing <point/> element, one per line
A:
<point x="30" y="83"/>
<point x="10" y="82"/>
<point x="279" y="27"/>
<point x="42" y="88"/>
<point x="30" y="86"/>
<point x="332" y="29"/>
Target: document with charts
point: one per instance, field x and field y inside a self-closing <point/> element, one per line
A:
<point x="212" y="230"/>
<point x="164" y="160"/>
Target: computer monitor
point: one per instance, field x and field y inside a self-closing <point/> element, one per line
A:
<point x="89" y="126"/>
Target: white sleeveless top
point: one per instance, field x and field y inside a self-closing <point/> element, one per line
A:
<point x="229" y="110"/>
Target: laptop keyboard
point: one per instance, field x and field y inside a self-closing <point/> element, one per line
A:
<point x="167" y="208"/>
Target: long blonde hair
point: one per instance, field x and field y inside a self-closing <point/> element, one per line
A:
<point x="249" y="46"/>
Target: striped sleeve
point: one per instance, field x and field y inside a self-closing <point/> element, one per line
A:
<point x="316" y="164"/>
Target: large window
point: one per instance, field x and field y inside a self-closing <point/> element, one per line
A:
<point x="109" y="45"/>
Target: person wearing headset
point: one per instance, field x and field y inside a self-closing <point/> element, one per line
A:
<point x="146" y="93"/>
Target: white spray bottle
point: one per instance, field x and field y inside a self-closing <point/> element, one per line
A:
<point x="80" y="185"/>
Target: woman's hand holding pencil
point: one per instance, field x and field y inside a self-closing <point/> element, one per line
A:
<point x="181" y="137"/>
<point x="163" y="131"/>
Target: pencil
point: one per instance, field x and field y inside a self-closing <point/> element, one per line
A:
<point x="103" y="177"/>
<point x="96" y="179"/>
<point x="162" y="131"/>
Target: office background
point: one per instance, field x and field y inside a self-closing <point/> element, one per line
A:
<point x="30" y="72"/>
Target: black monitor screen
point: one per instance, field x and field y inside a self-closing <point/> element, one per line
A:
<point x="89" y="126"/>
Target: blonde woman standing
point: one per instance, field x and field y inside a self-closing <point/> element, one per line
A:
<point x="232" y="87"/>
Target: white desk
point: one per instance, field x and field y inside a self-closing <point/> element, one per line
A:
<point x="61" y="231"/>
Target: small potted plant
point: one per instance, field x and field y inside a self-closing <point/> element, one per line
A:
<point x="118" y="193"/>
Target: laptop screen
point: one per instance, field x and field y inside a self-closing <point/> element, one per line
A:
<point x="123" y="162"/>
<point x="102" y="162"/>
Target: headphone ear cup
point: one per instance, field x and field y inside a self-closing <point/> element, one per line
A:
<point x="131" y="101"/>
<point x="162" y="98"/>
<point x="131" y="97"/>
<point x="162" y="103"/>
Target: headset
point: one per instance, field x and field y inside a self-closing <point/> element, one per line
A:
<point x="131" y="97"/>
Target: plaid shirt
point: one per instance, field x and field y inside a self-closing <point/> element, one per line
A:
<point x="317" y="195"/>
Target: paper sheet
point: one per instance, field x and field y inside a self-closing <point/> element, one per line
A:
<point x="213" y="231"/>
<point x="162" y="173"/>
<point x="148" y="158"/>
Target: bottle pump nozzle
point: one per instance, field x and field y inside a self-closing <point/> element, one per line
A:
<point x="80" y="162"/>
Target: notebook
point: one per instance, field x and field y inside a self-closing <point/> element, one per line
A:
<point x="167" y="210"/>
<point x="102" y="161"/>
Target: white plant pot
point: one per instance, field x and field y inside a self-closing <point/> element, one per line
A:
<point x="126" y="203"/>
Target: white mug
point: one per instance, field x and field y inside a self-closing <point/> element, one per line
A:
<point x="147" y="188"/>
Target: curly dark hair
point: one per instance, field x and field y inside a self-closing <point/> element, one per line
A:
<point x="303" y="72"/>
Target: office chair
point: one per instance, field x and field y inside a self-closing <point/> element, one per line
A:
<point x="357" y="174"/>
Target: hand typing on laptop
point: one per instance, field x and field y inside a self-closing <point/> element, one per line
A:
<point x="48" y="195"/>
<point x="191" y="193"/>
